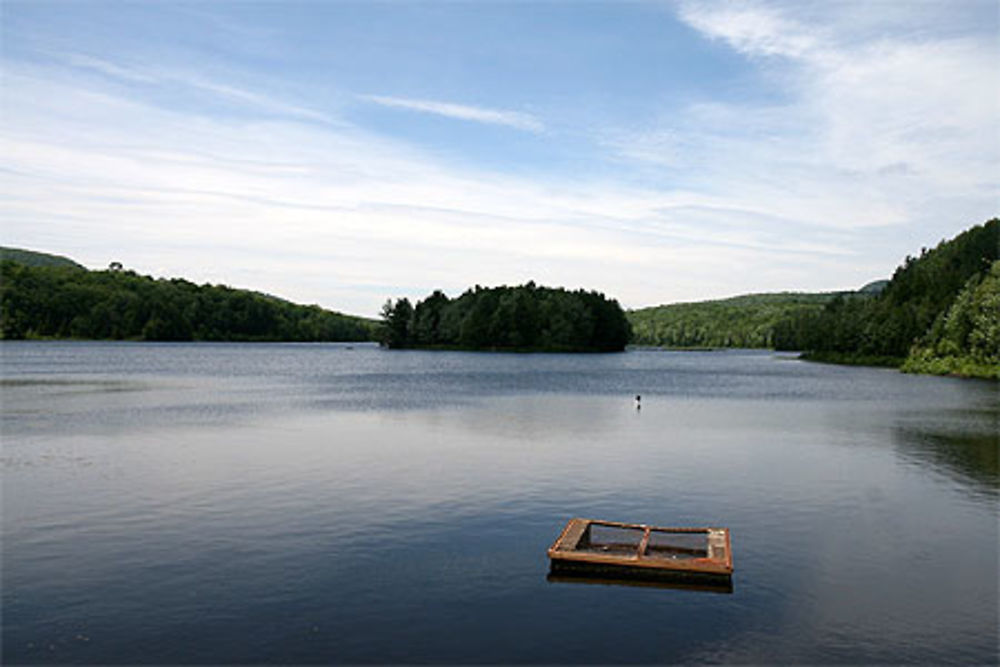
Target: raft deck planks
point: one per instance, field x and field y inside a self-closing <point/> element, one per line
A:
<point x="638" y="549"/>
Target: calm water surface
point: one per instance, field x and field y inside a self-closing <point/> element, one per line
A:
<point x="214" y="503"/>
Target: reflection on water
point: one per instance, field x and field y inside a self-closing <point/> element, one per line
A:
<point x="971" y="455"/>
<point x="312" y="504"/>
<point x="722" y="585"/>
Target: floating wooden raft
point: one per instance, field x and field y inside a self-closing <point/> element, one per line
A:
<point x="629" y="549"/>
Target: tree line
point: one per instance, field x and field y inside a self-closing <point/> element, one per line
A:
<point x="915" y="311"/>
<point x="526" y="317"/>
<point x="72" y="302"/>
<point x="939" y="313"/>
<point x="745" y="321"/>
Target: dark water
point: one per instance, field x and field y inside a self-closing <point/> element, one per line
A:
<point x="325" y="503"/>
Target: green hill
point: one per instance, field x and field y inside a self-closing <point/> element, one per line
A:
<point x="741" y="321"/>
<point x="875" y="287"/>
<point x="940" y="304"/>
<point x="32" y="258"/>
<point x="67" y="301"/>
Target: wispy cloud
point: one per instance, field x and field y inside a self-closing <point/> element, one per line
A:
<point x="151" y="76"/>
<point x="515" y="119"/>
<point x="263" y="102"/>
<point x="107" y="68"/>
<point x="872" y="127"/>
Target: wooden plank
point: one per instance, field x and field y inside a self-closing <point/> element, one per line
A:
<point x="692" y="564"/>
<point x="641" y="551"/>
<point x="571" y="534"/>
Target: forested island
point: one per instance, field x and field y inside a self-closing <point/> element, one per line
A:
<point x="46" y="296"/>
<point x="522" y="318"/>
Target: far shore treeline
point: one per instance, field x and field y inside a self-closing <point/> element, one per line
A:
<point x="47" y="298"/>
<point x="940" y="313"/>
<point x="522" y="318"/>
<point x="746" y="321"/>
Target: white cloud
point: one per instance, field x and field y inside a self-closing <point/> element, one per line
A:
<point x="871" y="135"/>
<point x="907" y="98"/>
<point x="875" y="126"/>
<point x="515" y="119"/>
<point x="332" y="214"/>
<point x="752" y="28"/>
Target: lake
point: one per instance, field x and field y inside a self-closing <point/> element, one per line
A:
<point x="243" y="503"/>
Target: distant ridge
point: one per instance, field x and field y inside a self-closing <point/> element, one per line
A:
<point x="46" y="296"/>
<point x="875" y="287"/>
<point x="34" y="258"/>
<point x="747" y="320"/>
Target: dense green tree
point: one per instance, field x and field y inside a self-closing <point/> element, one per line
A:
<point x="427" y="319"/>
<point x="964" y="340"/>
<point x="397" y="320"/>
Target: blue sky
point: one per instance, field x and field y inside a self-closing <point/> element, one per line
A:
<point x="344" y="152"/>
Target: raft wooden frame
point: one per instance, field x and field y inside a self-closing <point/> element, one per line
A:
<point x="567" y="555"/>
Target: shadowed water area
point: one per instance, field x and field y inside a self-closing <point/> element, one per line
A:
<point x="216" y="503"/>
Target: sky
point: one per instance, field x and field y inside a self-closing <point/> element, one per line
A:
<point x="343" y="153"/>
